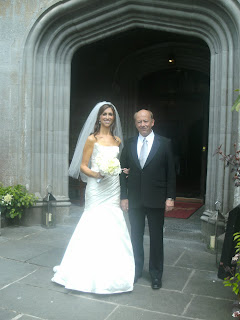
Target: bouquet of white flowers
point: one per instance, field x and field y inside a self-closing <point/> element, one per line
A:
<point x="108" y="166"/>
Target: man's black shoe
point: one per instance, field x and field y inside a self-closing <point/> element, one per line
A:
<point x="156" y="283"/>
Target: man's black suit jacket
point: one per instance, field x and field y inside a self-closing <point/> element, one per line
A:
<point x="152" y="185"/>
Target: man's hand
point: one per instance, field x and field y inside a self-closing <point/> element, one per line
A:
<point x="126" y="170"/>
<point x="124" y="205"/>
<point x="169" y="205"/>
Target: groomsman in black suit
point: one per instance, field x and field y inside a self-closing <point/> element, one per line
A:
<point x="148" y="190"/>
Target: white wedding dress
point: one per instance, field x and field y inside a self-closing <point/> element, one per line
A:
<point x="99" y="256"/>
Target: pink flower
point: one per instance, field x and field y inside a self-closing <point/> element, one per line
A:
<point x="236" y="314"/>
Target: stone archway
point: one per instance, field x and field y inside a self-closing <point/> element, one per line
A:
<point x="46" y="79"/>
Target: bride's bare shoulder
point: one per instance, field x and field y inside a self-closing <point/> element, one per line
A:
<point x="92" y="138"/>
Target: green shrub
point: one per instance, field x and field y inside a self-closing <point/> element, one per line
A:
<point x="14" y="199"/>
<point x="234" y="280"/>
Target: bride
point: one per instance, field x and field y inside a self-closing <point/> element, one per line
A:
<point x="99" y="257"/>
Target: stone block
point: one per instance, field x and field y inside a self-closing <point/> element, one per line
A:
<point x="201" y="279"/>
<point x="13" y="270"/>
<point x="163" y="301"/>
<point x="209" y="308"/>
<point x="54" y="305"/>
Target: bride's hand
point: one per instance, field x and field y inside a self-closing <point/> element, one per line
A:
<point x="99" y="176"/>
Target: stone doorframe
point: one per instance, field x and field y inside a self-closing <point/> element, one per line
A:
<point x="69" y="25"/>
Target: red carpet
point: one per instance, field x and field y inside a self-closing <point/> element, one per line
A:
<point x="183" y="210"/>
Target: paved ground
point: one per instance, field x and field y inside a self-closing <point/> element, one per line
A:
<point x="191" y="289"/>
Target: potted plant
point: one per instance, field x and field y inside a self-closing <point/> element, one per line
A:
<point x="14" y="200"/>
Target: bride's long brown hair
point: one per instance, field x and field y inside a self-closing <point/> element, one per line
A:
<point x="98" y="124"/>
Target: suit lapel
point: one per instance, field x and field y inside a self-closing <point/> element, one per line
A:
<point x="155" y="146"/>
<point x="134" y="152"/>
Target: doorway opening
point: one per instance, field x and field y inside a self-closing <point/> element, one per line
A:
<point x="179" y="100"/>
<point x="129" y="70"/>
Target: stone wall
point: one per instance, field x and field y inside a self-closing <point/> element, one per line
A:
<point x="38" y="40"/>
<point x="17" y="17"/>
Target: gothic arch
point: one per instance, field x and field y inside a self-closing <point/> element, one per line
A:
<point x="67" y="26"/>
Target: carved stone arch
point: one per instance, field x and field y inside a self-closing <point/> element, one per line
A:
<point x="69" y="25"/>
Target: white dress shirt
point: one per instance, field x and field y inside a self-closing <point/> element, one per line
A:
<point x="149" y="139"/>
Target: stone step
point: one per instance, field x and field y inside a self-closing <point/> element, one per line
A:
<point x="195" y="235"/>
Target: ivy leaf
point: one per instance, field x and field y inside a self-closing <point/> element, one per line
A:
<point x="236" y="105"/>
<point x="226" y="284"/>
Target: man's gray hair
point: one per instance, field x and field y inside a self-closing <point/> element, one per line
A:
<point x="135" y="114"/>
